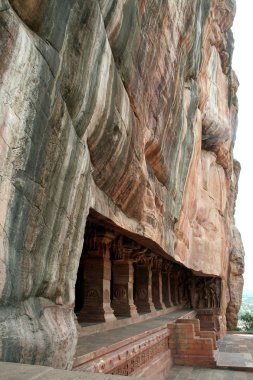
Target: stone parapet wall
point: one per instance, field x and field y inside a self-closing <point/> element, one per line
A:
<point x="152" y="353"/>
<point x="134" y="358"/>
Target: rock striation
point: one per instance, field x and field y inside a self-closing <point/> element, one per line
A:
<point x="127" y="108"/>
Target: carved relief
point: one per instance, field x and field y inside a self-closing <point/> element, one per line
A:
<point x="97" y="239"/>
<point x="127" y="359"/>
<point x="141" y="257"/>
<point x="167" y="266"/>
<point x="130" y="365"/>
<point x="123" y="248"/>
<point x="142" y="293"/>
<point x="205" y="292"/>
<point x="92" y="293"/>
<point x="120" y="292"/>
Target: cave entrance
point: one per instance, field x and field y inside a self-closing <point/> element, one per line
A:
<point x="120" y="278"/>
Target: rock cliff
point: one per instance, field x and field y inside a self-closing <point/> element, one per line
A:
<point x="125" y="107"/>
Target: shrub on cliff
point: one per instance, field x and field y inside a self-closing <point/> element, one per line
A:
<point x="247" y="321"/>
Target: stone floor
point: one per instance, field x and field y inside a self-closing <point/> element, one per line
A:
<point x="94" y="342"/>
<point x="195" y="373"/>
<point x="14" y="371"/>
<point x="235" y="351"/>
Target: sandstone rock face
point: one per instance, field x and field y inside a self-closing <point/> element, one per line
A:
<point x="124" y="107"/>
<point x="236" y="263"/>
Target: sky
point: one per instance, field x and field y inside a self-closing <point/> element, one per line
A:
<point x="243" y="152"/>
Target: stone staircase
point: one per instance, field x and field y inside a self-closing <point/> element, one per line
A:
<point x="191" y="346"/>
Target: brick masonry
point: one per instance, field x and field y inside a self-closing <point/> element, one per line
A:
<point x="190" y="346"/>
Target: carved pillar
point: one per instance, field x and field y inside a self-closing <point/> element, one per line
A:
<point x="123" y="278"/>
<point x="192" y="292"/>
<point x="174" y="286"/>
<point x="166" y="288"/>
<point x="180" y="285"/>
<point x="97" y="277"/>
<point x="177" y="290"/>
<point x="143" y="276"/>
<point x="199" y="293"/>
<point x="157" y="284"/>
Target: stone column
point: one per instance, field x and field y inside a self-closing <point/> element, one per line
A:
<point x="184" y="287"/>
<point x="123" y="279"/>
<point x="157" y="284"/>
<point x="192" y="291"/>
<point x="174" y="286"/>
<point x="143" y="276"/>
<point x="97" y="277"/>
<point x="166" y="288"/>
<point x="180" y="286"/>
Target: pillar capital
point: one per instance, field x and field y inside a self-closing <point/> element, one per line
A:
<point x="167" y="266"/>
<point x="123" y="249"/>
<point x="98" y="240"/>
<point x="144" y="257"/>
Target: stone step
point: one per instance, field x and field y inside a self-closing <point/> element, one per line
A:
<point x="190" y="346"/>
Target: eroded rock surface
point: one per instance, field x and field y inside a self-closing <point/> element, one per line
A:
<point x="125" y="107"/>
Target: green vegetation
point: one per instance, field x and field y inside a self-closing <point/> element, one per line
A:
<point x="247" y="321"/>
<point x="245" y="316"/>
<point x="247" y="302"/>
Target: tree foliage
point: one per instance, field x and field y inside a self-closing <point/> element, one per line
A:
<point x="247" y="321"/>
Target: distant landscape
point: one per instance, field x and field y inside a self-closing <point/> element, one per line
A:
<point x="246" y="311"/>
<point x="247" y="302"/>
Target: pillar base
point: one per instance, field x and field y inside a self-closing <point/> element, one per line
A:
<point x="124" y="310"/>
<point x="99" y="315"/>
<point x="145" y="307"/>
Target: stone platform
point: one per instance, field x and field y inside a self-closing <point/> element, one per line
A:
<point x="85" y="328"/>
<point x="126" y="348"/>
<point x="14" y="371"/>
<point x="134" y="349"/>
<point x="196" y="373"/>
<point x="236" y="351"/>
<point x="92" y="342"/>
